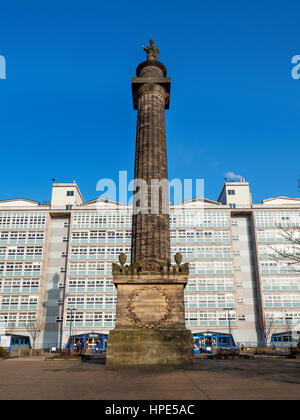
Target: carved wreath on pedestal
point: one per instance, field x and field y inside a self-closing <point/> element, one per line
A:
<point x="136" y="320"/>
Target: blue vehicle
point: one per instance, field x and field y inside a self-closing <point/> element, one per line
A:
<point x="207" y="342"/>
<point x="95" y="342"/>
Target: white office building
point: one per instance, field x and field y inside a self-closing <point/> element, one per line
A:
<point x="56" y="266"/>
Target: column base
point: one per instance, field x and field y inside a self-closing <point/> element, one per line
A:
<point x="141" y="347"/>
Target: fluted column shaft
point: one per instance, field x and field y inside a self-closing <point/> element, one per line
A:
<point x="151" y="232"/>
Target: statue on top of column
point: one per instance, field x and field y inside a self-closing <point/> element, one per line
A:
<point x="151" y="51"/>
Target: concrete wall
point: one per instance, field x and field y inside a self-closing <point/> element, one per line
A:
<point x="245" y="280"/>
<point x="54" y="278"/>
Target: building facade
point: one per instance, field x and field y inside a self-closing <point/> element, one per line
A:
<point x="56" y="265"/>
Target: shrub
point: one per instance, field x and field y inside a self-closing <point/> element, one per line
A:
<point x="227" y="352"/>
<point x="295" y="351"/>
<point x="3" y="352"/>
<point x="64" y="352"/>
<point x="261" y="350"/>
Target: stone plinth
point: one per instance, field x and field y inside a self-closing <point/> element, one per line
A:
<point x="150" y="323"/>
<point x="142" y="347"/>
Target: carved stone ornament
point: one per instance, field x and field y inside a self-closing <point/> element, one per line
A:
<point x="135" y="319"/>
<point x="150" y="266"/>
<point x="122" y="258"/>
<point x="178" y="258"/>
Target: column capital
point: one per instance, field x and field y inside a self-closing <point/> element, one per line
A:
<point x="158" y="85"/>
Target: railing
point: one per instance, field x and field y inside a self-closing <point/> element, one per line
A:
<point x="247" y="347"/>
<point x="274" y="345"/>
<point x="19" y="352"/>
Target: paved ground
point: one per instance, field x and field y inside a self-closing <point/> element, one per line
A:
<point x="36" y="378"/>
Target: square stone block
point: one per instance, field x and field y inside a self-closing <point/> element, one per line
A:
<point x="143" y="347"/>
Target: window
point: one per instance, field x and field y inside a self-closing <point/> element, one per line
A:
<point x="3" y="237"/>
<point x="198" y="218"/>
<point x="277" y="218"/>
<point x="173" y="235"/>
<point x="35" y="237"/>
<point x="97" y="236"/>
<point x="68" y="206"/>
<point x="203" y="236"/>
<point x="231" y="192"/>
<point x="281" y="283"/>
<point x="22" y="220"/>
<point x="80" y="237"/>
<point x="96" y="252"/>
<point x="221" y="236"/>
<point x="70" y="193"/>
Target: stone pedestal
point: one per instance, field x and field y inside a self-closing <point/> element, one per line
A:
<point x="142" y="347"/>
<point x="150" y="325"/>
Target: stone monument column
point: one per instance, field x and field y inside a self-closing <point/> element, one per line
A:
<point x="151" y="224"/>
<point x="150" y="322"/>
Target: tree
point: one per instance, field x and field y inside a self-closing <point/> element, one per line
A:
<point x="269" y="328"/>
<point x="35" y="329"/>
<point x="290" y="252"/>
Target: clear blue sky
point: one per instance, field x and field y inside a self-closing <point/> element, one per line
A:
<point x="66" y="108"/>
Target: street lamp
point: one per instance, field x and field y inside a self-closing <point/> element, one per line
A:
<point x="229" y="326"/>
<point x="71" y="310"/>
<point x="289" y="327"/>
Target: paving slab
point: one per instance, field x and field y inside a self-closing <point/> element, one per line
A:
<point x="37" y="379"/>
